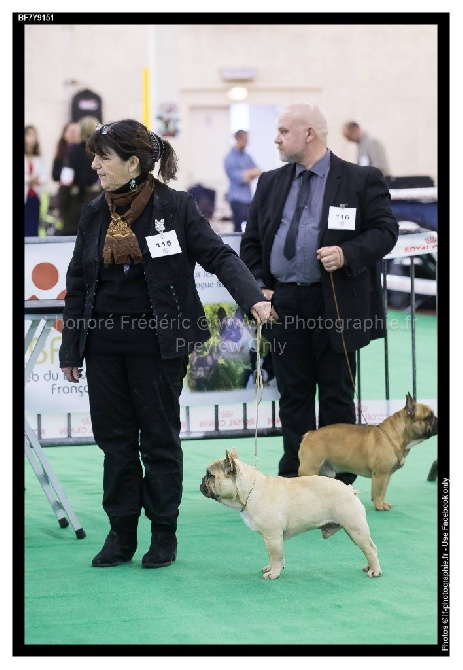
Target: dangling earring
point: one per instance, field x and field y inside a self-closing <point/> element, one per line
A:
<point x="133" y="184"/>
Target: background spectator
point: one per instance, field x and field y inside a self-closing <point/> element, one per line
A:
<point x="370" y="151"/>
<point x="34" y="180"/>
<point x="85" y="185"/>
<point x="69" y="135"/>
<point x="241" y="170"/>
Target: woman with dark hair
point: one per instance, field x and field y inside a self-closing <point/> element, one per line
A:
<point x="69" y="135"/>
<point x="61" y="172"/>
<point x="83" y="185"/>
<point x="133" y="312"/>
<point x="34" y="180"/>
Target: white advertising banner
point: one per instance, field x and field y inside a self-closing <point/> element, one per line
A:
<point x="415" y="244"/>
<point x="221" y="374"/>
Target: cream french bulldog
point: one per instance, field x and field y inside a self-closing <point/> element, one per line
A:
<point x="279" y="508"/>
<point x="375" y="452"/>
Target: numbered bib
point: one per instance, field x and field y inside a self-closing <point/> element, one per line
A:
<point x="341" y="218"/>
<point x="164" y="244"/>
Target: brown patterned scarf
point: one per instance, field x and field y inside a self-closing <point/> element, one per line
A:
<point x="121" y="245"/>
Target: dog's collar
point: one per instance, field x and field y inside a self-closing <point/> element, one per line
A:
<point x="247" y="497"/>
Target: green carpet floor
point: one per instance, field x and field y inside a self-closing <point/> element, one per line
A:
<point x="214" y="593"/>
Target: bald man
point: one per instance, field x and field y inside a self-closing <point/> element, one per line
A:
<point x="317" y="229"/>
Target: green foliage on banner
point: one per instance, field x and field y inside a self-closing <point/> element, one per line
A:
<point x="221" y="365"/>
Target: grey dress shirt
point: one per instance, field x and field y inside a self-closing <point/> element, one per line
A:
<point x="303" y="267"/>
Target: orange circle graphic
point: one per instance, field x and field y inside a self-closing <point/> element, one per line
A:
<point x="45" y="276"/>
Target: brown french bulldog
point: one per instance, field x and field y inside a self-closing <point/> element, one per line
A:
<point x="279" y="508"/>
<point x="369" y="451"/>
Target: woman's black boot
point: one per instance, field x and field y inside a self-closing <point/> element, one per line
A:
<point x="163" y="548"/>
<point x="121" y="543"/>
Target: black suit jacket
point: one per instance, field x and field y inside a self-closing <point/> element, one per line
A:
<point x="357" y="286"/>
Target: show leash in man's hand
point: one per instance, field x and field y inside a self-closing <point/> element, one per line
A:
<point x="332" y="258"/>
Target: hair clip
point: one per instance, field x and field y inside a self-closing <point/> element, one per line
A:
<point x="159" y="145"/>
<point x="104" y="129"/>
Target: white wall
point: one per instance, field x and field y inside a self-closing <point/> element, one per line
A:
<point x="262" y="132"/>
<point x="383" y="76"/>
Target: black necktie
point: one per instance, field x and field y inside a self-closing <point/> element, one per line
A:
<point x="290" y="242"/>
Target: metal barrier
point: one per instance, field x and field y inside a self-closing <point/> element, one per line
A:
<point x="42" y="314"/>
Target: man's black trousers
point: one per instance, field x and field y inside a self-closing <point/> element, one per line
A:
<point x="304" y="362"/>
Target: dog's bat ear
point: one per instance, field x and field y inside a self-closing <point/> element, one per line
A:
<point x="230" y="467"/>
<point x="410" y="406"/>
<point x="234" y="453"/>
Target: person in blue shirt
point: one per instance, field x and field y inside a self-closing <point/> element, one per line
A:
<point x="241" y="170"/>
